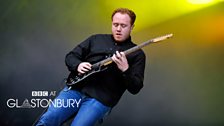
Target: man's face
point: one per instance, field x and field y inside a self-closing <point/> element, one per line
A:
<point x="121" y="27"/>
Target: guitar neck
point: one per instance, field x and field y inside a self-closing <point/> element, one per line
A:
<point x="133" y="49"/>
<point x="138" y="47"/>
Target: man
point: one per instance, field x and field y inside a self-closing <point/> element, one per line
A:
<point x="101" y="91"/>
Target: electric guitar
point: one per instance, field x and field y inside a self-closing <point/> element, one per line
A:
<point x="101" y="65"/>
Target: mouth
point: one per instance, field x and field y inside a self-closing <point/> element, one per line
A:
<point x="118" y="34"/>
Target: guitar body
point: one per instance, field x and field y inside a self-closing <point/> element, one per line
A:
<point x="74" y="79"/>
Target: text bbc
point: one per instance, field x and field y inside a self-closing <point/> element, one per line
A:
<point x="39" y="93"/>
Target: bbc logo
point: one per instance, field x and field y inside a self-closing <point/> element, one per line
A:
<point x="39" y="93"/>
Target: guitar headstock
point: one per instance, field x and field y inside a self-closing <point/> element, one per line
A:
<point x="162" y="38"/>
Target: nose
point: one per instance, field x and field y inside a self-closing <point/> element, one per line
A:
<point x="119" y="28"/>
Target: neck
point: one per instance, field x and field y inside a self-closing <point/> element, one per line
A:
<point x="125" y="41"/>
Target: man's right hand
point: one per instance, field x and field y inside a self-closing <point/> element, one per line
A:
<point x="84" y="67"/>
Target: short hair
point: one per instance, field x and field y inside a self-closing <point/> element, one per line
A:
<point x="127" y="11"/>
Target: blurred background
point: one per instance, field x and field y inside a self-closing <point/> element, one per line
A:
<point x="184" y="76"/>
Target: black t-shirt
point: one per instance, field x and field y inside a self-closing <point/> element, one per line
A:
<point x="109" y="85"/>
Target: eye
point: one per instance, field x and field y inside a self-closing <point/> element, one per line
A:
<point x="115" y="24"/>
<point x="123" y="25"/>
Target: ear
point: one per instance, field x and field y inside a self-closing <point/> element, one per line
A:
<point x="132" y="27"/>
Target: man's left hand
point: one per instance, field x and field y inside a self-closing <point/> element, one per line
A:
<point x="120" y="59"/>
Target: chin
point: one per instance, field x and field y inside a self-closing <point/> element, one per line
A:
<point x="119" y="39"/>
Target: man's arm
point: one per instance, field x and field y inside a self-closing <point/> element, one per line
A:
<point x="75" y="57"/>
<point x="133" y="75"/>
